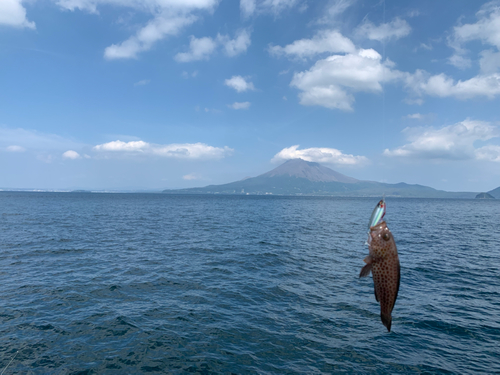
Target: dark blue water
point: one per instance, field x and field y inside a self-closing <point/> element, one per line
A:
<point x="151" y="283"/>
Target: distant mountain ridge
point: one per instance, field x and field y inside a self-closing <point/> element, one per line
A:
<point x="300" y="177"/>
<point x="309" y="170"/>
<point x="495" y="192"/>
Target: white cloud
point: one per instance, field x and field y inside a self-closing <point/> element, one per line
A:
<point x="441" y="85"/>
<point x="331" y="81"/>
<point x="489" y="62"/>
<point x="459" y="61"/>
<point x="202" y="48"/>
<point x="396" y="29"/>
<point x="191" y="176"/>
<point x="12" y="13"/>
<point x="15" y="148"/>
<point x="455" y="142"/>
<point x="70" y="154"/>
<point x="137" y="146"/>
<point x="324" y="41"/>
<point x="320" y="155"/>
<point x="156" y="29"/>
<point x="334" y="10"/>
<point x="415" y="116"/>
<point x="87" y="5"/>
<point x="142" y="82"/>
<point x="489" y="153"/>
<point x="237" y="105"/>
<point x="169" y="18"/>
<point x="239" y="44"/>
<point x="239" y="83"/>
<point x="247" y="7"/>
<point x="199" y="49"/>
<point x="486" y="30"/>
<point x="250" y="7"/>
<point x="178" y="151"/>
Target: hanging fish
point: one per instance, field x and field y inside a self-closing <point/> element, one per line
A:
<point x="383" y="263"/>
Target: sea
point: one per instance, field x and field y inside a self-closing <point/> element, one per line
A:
<point x="96" y="283"/>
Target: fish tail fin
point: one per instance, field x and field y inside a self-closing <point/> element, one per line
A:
<point x="365" y="271"/>
<point x="387" y="320"/>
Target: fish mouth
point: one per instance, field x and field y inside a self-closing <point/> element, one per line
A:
<point x="374" y="230"/>
<point x="378" y="226"/>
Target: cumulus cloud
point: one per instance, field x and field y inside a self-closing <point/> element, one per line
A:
<point x="331" y="81"/>
<point x="191" y="151"/>
<point x="396" y="29"/>
<point x="489" y="153"/>
<point x="12" y="13"/>
<point x="237" y="105"/>
<point x="122" y="146"/>
<point x="203" y="48"/>
<point x="239" y="83"/>
<point x="486" y="30"/>
<point x="489" y="62"/>
<point x="415" y="116"/>
<point x="247" y="7"/>
<point x="324" y="41"/>
<point x="70" y="154"/>
<point x="199" y="49"/>
<point x="239" y="44"/>
<point x="15" y="148"/>
<point x="250" y="7"/>
<point x="453" y="142"/>
<point x="441" y="85"/>
<point x="319" y="155"/>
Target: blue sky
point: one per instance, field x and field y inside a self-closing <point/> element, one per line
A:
<point x="153" y="94"/>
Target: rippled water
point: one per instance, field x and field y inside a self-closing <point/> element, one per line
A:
<point x="151" y="283"/>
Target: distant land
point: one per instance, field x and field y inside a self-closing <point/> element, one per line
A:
<point x="484" y="196"/>
<point x="300" y="177"/>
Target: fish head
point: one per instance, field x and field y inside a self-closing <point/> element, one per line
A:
<point x="380" y="239"/>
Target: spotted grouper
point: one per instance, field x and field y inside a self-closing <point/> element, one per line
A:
<point x="383" y="263"/>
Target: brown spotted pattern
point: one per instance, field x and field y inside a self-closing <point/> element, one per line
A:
<point x="383" y="262"/>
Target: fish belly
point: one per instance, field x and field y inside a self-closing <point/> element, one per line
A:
<point x="386" y="277"/>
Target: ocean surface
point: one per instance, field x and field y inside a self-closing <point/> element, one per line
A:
<point x="150" y="283"/>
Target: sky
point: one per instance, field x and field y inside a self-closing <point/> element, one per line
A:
<point x="162" y="94"/>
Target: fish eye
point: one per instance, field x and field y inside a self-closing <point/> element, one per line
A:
<point x="386" y="236"/>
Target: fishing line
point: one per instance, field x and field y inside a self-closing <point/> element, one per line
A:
<point x="15" y="355"/>
<point x="383" y="94"/>
<point x="8" y="364"/>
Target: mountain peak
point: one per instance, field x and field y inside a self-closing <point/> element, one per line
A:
<point x="311" y="171"/>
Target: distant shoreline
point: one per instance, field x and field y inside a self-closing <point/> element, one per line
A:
<point x="177" y="193"/>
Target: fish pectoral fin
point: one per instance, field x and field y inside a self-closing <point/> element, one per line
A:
<point x="365" y="271"/>
<point x="375" y="292"/>
<point x="368" y="259"/>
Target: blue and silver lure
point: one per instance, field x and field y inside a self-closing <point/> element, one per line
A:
<point x="376" y="218"/>
<point x="377" y="214"/>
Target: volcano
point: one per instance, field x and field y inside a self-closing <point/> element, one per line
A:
<point x="300" y="177"/>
